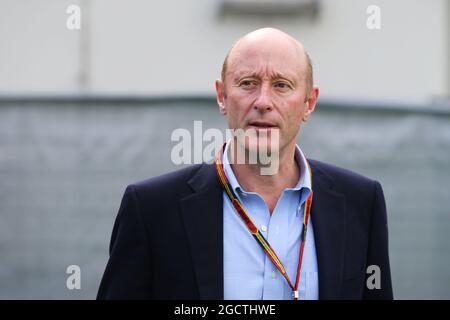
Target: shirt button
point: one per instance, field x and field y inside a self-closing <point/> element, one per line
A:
<point x="264" y="228"/>
<point x="274" y="275"/>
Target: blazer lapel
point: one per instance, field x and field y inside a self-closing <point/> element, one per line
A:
<point x="202" y="214"/>
<point x="328" y="218"/>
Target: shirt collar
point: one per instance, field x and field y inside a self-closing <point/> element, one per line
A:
<point x="304" y="180"/>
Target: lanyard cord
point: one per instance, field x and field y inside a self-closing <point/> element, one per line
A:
<point x="254" y="231"/>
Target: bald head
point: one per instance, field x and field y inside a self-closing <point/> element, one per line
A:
<point x="272" y="41"/>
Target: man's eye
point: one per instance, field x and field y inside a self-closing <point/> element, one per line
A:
<point x="282" y="85"/>
<point x="246" y="83"/>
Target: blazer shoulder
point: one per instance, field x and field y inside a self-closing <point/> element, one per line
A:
<point x="341" y="176"/>
<point x="168" y="181"/>
<point x="361" y="192"/>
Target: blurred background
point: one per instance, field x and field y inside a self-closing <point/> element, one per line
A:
<point x="86" y="111"/>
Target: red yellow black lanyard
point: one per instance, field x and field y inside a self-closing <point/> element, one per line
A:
<point x="254" y="231"/>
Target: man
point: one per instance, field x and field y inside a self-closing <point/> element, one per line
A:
<point x="225" y="231"/>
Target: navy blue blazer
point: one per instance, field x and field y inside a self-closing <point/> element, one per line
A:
<point x="167" y="240"/>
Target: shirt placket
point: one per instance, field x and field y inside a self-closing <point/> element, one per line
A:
<point x="274" y="282"/>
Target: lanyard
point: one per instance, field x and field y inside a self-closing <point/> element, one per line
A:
<point x="254" y="231"/>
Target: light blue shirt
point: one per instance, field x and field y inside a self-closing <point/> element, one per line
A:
<point x="248" y="272"/>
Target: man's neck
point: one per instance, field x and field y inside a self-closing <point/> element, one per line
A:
<point x="269" y="187"/>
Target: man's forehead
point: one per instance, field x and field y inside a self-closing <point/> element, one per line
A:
<point x="267" y="48"/>
<point x="271" y="71"/>
<point x="266" y="62"/>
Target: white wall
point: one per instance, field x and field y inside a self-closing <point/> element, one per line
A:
<point x="177" y="47"/>
<point x="37" y="53"/>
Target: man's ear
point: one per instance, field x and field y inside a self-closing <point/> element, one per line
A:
<point x="311" y="102"/>
<point x="221" y="96"/>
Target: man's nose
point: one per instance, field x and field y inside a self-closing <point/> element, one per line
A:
<point x="263" y="102"/>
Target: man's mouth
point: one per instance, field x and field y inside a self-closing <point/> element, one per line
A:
<point x="262" y="125"/>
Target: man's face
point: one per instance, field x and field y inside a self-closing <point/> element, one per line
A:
<point x="265" y="89"/>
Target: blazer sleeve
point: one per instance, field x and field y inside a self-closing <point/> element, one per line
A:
<point x="378" y="253"/>
<point x="127" y="274"/>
